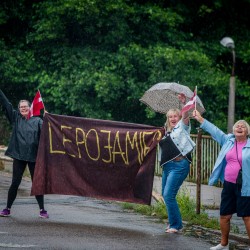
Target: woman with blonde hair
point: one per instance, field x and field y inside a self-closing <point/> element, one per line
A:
<point x="233" y="158"/>
<point x="175" y="148"/>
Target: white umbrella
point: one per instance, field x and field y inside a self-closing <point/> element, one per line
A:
<point x="164" y="95"/>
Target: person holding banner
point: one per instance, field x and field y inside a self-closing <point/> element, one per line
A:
<point x="175" y="149"/>
<point x="22" y="148"/>
<point x="233" y="159"/>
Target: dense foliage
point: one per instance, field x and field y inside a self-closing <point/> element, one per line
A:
<point x="95" y="58"/>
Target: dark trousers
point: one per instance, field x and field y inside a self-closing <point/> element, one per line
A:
<point x="17" y="175"/>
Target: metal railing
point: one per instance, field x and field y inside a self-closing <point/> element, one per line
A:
<point x="209" y="152"/>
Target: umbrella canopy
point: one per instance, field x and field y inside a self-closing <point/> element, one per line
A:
<point x="163" y="96"/>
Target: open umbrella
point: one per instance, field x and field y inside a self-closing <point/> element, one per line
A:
<point x="164" y="95"/>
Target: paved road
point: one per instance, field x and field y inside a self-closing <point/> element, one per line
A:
<point x="82" y="223"/>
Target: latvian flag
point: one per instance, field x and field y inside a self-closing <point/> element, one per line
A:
<point x="190" y="104"/>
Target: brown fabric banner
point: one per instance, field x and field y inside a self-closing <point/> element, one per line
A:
<point x="96" y="158"/>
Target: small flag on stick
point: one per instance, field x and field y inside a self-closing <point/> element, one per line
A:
<point x="191" y="103"/>
<point x="37" y="105"/>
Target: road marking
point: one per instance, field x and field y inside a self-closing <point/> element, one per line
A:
<point x="10" y="245"/>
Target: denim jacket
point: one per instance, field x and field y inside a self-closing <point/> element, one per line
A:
<point x="226" y="142"/>
<point x="180" y="135"/>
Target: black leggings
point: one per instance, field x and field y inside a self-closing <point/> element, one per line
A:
<point x="18" y="170"/>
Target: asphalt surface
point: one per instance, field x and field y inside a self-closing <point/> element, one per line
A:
<point x="83" y="223"/>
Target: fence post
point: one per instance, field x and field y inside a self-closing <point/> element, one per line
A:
<point x="198" y="180"/>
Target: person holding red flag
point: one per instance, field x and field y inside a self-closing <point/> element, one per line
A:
<point x="22" y="148"/>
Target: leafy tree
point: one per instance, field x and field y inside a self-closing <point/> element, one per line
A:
<point x="96" y="58"/>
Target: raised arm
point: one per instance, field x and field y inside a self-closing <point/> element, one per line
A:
<point x="185" y="116"/>
<point x="7" y="106"/>
<point x="217" y="134"/>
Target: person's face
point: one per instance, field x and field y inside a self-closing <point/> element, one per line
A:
<point x="173" y="119"/>
<point x="240" y="130"/>
<point x="24" y="108"/>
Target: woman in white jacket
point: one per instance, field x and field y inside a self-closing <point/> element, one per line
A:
<point x="176" y="147"/>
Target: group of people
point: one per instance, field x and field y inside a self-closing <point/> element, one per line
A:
<point x="176" y="149"/>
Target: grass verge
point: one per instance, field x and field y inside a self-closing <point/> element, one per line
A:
<point x="187" y="207"/>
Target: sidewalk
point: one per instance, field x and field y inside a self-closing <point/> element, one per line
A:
<point x="210" y="197"/>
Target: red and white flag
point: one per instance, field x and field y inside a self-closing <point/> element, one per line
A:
<point x="37" y="105"/>
<point x="191" y="103"/>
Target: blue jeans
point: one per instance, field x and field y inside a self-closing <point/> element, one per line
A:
<point x="174" y="173"/>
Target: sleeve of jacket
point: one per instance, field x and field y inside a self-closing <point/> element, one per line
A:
<point x="7" y="106"/>
<point x="214" y="131"/>
<point x="40" y="124"/>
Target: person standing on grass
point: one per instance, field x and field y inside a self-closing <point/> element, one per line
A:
<point x="233" y="157"/>
<point x="175" y="149"/>
<point x="22" y="148"/>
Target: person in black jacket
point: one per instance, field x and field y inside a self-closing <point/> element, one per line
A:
<point x="22" y="148"/>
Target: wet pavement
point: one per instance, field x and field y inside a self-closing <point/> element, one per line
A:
<point x="76" y="220"/>
<point x="83" y="223"/>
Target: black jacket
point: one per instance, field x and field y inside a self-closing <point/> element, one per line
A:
<point x="24" y="140"/>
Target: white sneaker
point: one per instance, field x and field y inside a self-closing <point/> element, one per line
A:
<point x="220" y="247"/>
